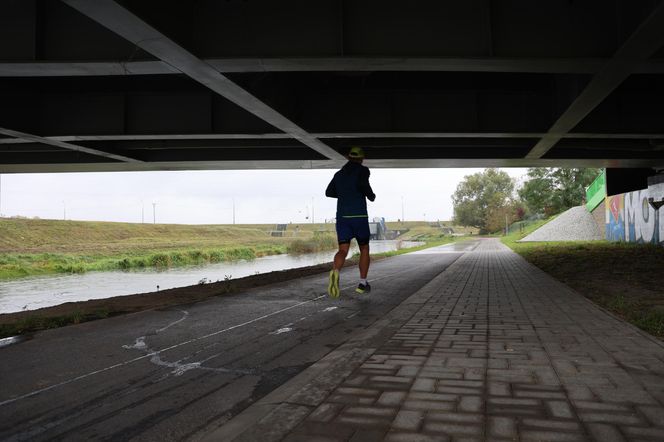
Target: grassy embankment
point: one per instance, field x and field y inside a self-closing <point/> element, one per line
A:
<point x="40" y="247"/>
<point x="624" y="278"/>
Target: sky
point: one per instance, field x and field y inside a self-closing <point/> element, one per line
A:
<point x="208" y="197"/>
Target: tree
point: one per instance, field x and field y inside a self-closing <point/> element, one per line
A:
<point x="497" y="217"/>
<point x="553" y="190"/>
<point x="479" y="193"/>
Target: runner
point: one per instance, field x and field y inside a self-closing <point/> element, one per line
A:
<point x="350" y="186"/>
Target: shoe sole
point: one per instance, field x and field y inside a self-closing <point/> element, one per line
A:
<point x="333" y="286"/>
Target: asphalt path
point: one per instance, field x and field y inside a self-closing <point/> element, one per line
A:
<point x="171" y="374"/>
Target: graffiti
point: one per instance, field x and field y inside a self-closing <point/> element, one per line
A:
<point x="615" y="222"/>
<point x="630" y="218"/>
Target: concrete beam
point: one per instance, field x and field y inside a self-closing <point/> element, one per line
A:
<point x="329" y="64"/>
<point x="642" y="44"/>
<point x="334" y="135"/>
<point x="119" y="20"/>
<point x="326" y="164"/>
<point x="29" y="138"/>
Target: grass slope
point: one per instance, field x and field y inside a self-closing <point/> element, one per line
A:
<point x="37" y="247"/>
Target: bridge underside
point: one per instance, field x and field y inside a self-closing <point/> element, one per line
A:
<point x="163" y="85"/>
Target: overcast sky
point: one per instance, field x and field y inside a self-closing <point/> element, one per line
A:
<point x="206" y="197"/>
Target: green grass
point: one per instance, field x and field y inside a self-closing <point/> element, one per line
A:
<point x="21" y="265"/>
<point x="624" y="278"/>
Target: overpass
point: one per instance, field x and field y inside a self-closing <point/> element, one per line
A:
<point x="165" y="85"/>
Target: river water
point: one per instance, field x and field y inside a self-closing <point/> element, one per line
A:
<point x="44" y="291"/>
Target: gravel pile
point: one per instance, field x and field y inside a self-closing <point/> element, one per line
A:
<point x="575" y="224"/>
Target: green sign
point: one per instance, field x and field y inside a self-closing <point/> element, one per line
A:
<point x="596" y="192"/>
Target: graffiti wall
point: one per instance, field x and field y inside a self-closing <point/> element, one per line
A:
<point x="629" y="217"/>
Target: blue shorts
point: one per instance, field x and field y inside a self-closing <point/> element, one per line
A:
<point x="349" y="228"/>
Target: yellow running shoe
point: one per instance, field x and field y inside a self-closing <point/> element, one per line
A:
<point x="333" y="286"/>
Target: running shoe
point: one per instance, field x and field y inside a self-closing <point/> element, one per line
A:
<point x="333" y="286"/>
<point x="363" y="288"/>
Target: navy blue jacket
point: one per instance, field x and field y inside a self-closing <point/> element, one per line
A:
<point x="350" y="186"/>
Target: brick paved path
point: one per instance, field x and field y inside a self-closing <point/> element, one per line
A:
<point x="500" y="351"/>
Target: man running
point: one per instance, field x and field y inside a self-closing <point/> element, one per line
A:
<point x="350" y="186"/>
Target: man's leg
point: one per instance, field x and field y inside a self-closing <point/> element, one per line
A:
<point x="364" y="261"/>
<point x="340" y="257"/>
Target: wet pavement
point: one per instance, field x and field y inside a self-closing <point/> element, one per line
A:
<point x="178" y="373"/>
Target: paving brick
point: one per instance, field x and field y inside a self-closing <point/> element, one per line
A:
<point x="368" y="435"/>
<point x="651" y="432"/>
<point x="514" y="402"/>
<point x="496" y="388"/>
<point x="560" y="409"/>
<point x="320" y="429"/>
<point x="550" y="436"/>
<point x="654" y="414"/>
<point x="428" y="385"/>
<point x="458" y="390"/>
<point x="433" y="396"/>
<point x="605" y="433"/>
<point x="408" y="371"/>
<point x="364" y="421"/>
<point x="460" y="418"/>
<point x="502" y="427"/>
<point x="611" y="418"/>
<point x="428" y="405"/>
<point x="391" y="398"/>
<point x="408" y="420"/>
<point x="397" y="436"/>
<point x="471" y="404"/>
<point x="371" y="411"/>
<point x="391" y="379"/>
<point x="358" y="391"/>
<point x="305" y="437"/>
<point x="325" y="412"/>
<point x="453" y="429"/>
<point x="579" y="392"/>
<point x="350" y="399"/>
<point x="550" y="424"/>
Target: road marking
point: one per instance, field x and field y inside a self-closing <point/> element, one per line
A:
<point x="282" y="330"/>
<point x="153" y="353"/>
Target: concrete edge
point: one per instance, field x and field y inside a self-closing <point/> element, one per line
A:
<point x="276" y="414"/>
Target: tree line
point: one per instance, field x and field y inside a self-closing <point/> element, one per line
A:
<point x="487" y="200"/>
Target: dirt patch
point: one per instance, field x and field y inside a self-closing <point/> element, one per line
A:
<point x="77" y="312"/>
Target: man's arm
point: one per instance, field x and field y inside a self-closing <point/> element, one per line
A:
<point x="364" y="185"/>
<point x="331" y="191"/>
